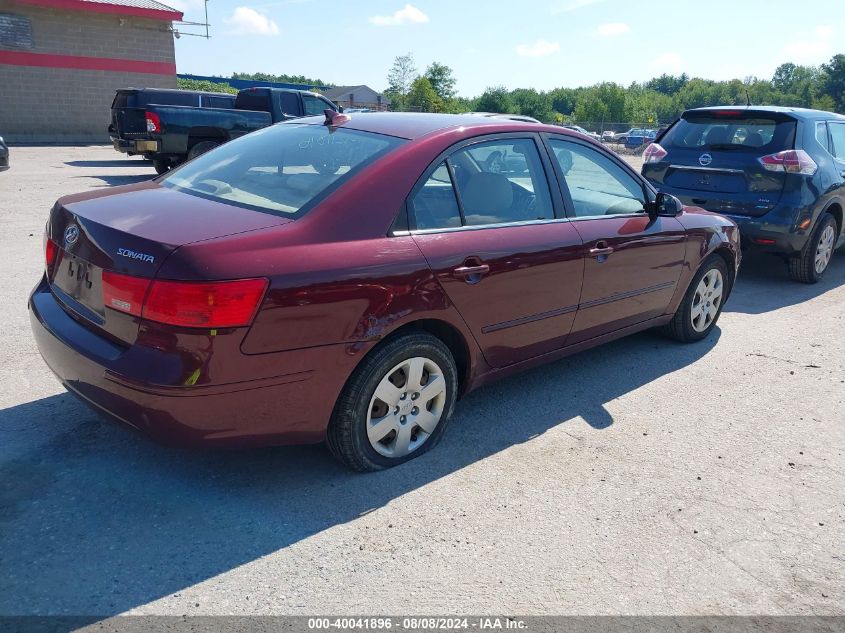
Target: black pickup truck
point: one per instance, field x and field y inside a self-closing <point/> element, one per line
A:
<point x="169" y="134"/>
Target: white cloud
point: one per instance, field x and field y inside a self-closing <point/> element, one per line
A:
<point x="540" y="48"/>
<point x="613" y="29"/>
<point x="565" y="6"/>
<point x="811" y="49"/>
<point x="248" y="21"/>
<point x="668" y="63"/>
<point x="407" y="15"/>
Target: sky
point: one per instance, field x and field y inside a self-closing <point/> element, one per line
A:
<point x="538" y="44"/>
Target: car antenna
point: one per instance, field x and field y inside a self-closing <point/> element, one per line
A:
<point x="747" y="98"/>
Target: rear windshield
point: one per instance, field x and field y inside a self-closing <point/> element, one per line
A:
<point x="759" y="134"/>
<point x="284" y="169"/>
<point x="253" y="100"/>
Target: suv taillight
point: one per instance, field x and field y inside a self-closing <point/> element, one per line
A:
<point x="653" y="154"/>
<point x="204" y="304"/>
<point x="153" y="122"/>
<point x="791" y="161"/>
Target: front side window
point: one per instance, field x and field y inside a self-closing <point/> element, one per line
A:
<point x="280" y="169"/>
<point x="313" y="105"/>
<point x="289" y="103"/>
<point x="597" y="185"/>
<point x="837" y="140"/>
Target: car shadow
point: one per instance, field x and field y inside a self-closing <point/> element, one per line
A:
<point x="764" y="284"/>
<point x="95" y="519"/>
<point x="126" y="162"/>
<point x="114" y="181"/>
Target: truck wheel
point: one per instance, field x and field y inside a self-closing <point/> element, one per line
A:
<point x="811" y="263"/>
<point x="201" y="148"/>
<point x="161" y="165"/>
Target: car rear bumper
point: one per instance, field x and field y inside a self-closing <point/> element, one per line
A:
<point x="4" y="161"/>
<point x="136" y="146"/>
<point x="287" y="408"/>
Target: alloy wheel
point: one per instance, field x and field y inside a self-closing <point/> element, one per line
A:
<point x="707" y="300"/>
<point x="824" y="250"/>
<point x="406" y="407"/>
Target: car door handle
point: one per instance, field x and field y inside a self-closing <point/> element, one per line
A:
<point x="601" y="248"/>
<point x="468" y="271"/>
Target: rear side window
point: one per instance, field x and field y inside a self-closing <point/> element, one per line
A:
<point x="215" y="101"/>
<point x="252" y="100"/>
<point x="758" y="134"/>
<point x="497" y="182"/>
<point x="282" y="169"/>
<point x="434" y="205"/>
<point x="821" y="135"/>
<point x="837" y="139"/>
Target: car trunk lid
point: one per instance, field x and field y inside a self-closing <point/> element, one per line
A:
<point x="130" y="234"/>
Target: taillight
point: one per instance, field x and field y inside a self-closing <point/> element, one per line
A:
<point x="791" y="161"/>
<point x="205" y="304"/>
<point x="51" y="249"/>
<point x="153" y="122"/>
<point x="654" y="153"/>
<point x="124" y="293"/>
<point x="210" y="304"/>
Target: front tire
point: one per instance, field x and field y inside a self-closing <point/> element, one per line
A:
<point x="201" y="148"/>
<point x="813" y="260"/>
<point x="700" y="309"/>
<point x="396" y="404"/>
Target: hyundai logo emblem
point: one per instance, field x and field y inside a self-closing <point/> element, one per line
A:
<point x="71" y="235"/>
<point x="705" y="159"/>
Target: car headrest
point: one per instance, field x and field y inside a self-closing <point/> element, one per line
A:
<point x="716" y="136"/>
<point x="755" y="139"/>
<point x="487" y="193"/>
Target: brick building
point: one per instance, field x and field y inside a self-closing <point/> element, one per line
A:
<point x="62" y="60"/>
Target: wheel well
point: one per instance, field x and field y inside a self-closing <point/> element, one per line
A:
<point x="730" y="261"/>
<point x="452" y="338"/>
<point x="200" y="134"/>
<point x="836" y="211"/>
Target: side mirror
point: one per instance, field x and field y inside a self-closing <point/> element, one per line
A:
<point x="665" y="205"/>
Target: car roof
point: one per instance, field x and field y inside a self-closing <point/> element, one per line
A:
<point x="411" y="125"/>
<point x="805" y="113"/>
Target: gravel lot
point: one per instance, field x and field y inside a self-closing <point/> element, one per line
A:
<point x="643" y="477"/>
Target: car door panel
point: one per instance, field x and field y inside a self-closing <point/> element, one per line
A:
<point x="635" y="281"/>
<point x="525" y="304"/>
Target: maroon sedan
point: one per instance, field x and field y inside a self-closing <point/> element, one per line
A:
<point x="347" y="279"/>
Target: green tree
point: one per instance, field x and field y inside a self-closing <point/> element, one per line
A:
<point x="496" y="99"/>
<point x="204" y="85"/>
<point x="532" y="103"/>
<point x="442" y="80"/>
<point x="833" y="81"/>
<point x="282" y="79"/>
<point x="423" y="97"/>
<point x="399" y="79"/>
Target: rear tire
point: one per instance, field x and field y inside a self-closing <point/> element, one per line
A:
<point x="161" y="165"/>
<point x="811" y="263"/>
<point x="702" y="305"/>
<point x="366" y="433"/>
<point x="201" y="148"/>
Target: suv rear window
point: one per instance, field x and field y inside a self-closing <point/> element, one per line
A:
<point x="283" y="169"/>
<point x="757" y="133"/>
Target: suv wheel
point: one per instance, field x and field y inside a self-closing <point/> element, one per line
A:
<point x="812" y="262"/>
<point x="396" y="404"/>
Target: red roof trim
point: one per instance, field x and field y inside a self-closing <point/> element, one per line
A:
<point x="102" y="7"/>
<point x="43" y="60"/>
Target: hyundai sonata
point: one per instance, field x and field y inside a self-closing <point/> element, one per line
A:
<point x="346" y="279"/>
